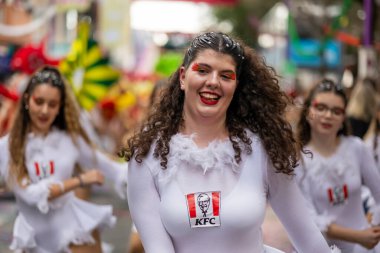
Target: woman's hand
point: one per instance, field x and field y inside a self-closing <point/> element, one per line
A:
<point x="369" y="237"/>
<point x="91" y="177"/>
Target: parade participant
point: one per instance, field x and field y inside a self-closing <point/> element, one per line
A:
<point x="361" y="106"/>
<point x="38" y="158"/>
<point x="372" y="136"/>
<point x="213" y="152"/>
<point x="135" y="245"/>
<point x="331" y="178"/>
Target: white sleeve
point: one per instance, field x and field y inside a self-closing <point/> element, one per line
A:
<point x="371" y="178"/>
<point x="4" y="158"/>
<point x="144" y="202"/>
<point x="90" y="158"/>
<point x="36" y="194"/>
<point x="290" y="206"/>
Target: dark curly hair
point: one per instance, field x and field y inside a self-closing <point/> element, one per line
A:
<point x="258" y="105"/>
<point x="324" y="85"/>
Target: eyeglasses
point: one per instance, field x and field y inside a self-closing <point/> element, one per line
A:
<point x="322" y="109"/>
<point x="47" y="76"/>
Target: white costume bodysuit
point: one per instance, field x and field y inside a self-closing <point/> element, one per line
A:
<point x="205" y="202"/>
<point x="333" y="187"/>
<point x="44" y="226"/>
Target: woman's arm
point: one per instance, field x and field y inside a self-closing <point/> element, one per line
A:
<point x="290" y="206"/>
<point x="40" y="193"/>
<point x="370" y="175"/>
<point x="144" y="203"/>
<point x="368" y="238"/>
<point x="87" y="178"/>
<point x="369" y="171"/>
<point x="112" y="169"/>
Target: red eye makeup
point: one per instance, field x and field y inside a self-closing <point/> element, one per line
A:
<point x="231" y="76"/>
<point x="195" y="67"/>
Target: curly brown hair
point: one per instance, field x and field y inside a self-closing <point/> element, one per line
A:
<point x="67" y="119"/>
<point x="324" y="85"/>
<point x="258" y="105"/>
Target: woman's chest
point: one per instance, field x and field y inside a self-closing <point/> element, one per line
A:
<point x="194" y="206"/>
<point x="55" y="160"/>
<point x="333" y="182"/>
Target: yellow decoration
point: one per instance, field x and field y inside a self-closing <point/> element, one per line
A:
<point x="88" y="72"/>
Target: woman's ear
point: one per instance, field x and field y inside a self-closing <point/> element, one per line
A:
<point x="182" y="73"/>
<point x="26" y="100"/>
<point x="309" y="116"/>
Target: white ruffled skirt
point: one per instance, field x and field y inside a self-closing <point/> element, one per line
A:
<point x="55" y="231"/>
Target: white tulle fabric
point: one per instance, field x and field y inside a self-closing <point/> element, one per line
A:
<point x="51" y="226"/>
<point x="23" y="235"/>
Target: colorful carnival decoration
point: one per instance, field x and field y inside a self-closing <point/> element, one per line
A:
<point x="29" y="58"/>
<point x="6" y="53"/>
<point x="168" y="63"/>
<point x="10" y="30"/>
<point x="7" y="93"/>
<point x="337" y="23"/>
<point x="9" y="98"/>
<point x="87" y="70"/>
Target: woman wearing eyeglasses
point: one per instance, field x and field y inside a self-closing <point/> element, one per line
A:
<point x="332" y="175"/>
<point x="38" y="158"/>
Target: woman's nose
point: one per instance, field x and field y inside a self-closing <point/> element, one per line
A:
<point x="45" y="108"/>
<point x="213" y="80"/>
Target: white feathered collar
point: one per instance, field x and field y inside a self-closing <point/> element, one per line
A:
<point x="36" y="143"/>
<point x="330" y="169"/>
<point x="218" y="155"/>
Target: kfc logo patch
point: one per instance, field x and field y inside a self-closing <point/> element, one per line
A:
<point x="44" y="170"/>
<point x="338" y="195"/>
<point x="203" y="209"/>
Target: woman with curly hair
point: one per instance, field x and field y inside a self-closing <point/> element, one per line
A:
<point x="214" y="150"/>
<point x="332" y="177"/>
<point x="38" y="158"/>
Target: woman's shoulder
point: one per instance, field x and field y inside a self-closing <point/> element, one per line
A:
<point x="4" y="146"/>
<point x="352" y="141"/>
<point x="55" y="138"/>
<point x="369" y="140"/>
<point x="254" y="137"/>
<point x="4" y="140"/>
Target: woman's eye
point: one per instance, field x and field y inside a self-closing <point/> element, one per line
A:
<point x="320" y="107"/>
<point x="229" y="76"/>
<point x="53" y="105"/>
<point x="39" y="101"/>
<point x="202" y="71"/>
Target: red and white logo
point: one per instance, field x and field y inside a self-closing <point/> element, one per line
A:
<point x="204" y="209"/>
<point x="338" y="195"/>
<point x="44" y="170"/>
